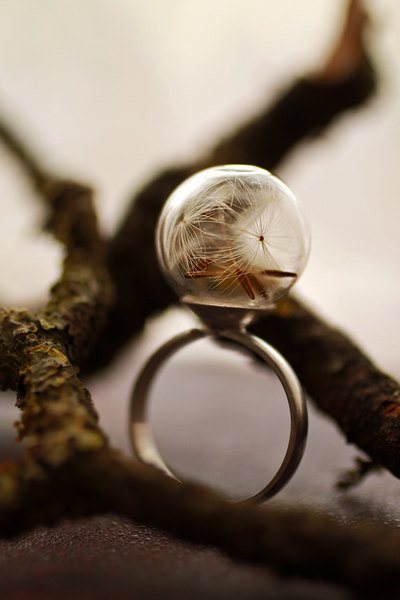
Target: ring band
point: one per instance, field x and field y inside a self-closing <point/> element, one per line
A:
<point x="140" y="432"/>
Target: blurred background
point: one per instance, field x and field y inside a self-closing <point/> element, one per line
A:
<point x="111" y="92"/>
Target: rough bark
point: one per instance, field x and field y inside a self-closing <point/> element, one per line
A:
<point x="341" y="380"/>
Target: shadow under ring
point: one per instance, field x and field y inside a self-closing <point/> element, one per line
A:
<point x="139" y="428"/>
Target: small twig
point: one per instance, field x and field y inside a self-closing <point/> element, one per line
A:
<point x="356" y="475"/>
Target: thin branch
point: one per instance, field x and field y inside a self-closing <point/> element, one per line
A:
<point x="80" y="300"/>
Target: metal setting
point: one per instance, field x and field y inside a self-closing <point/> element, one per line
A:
<point x="140" y="431"/>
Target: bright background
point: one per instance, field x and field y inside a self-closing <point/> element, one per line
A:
<point x="111" y="91"/>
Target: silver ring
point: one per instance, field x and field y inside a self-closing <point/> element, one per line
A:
<point x="140" y="432"/>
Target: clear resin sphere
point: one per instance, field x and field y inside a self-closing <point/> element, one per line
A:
<point x="232" y="236"/>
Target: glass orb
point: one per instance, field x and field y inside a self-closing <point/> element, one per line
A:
<point x="232" y="236"/>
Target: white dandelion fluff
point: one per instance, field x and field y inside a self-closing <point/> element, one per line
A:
<point x="232" y="235"/>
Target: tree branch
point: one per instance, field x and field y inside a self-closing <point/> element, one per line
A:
<point x="341" y="380"/>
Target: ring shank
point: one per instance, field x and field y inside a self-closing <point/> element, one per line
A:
<point x="140" y="433"/>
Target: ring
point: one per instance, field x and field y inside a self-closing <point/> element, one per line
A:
<point x="140" y="431"/>
<point x="231" y="240"/>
